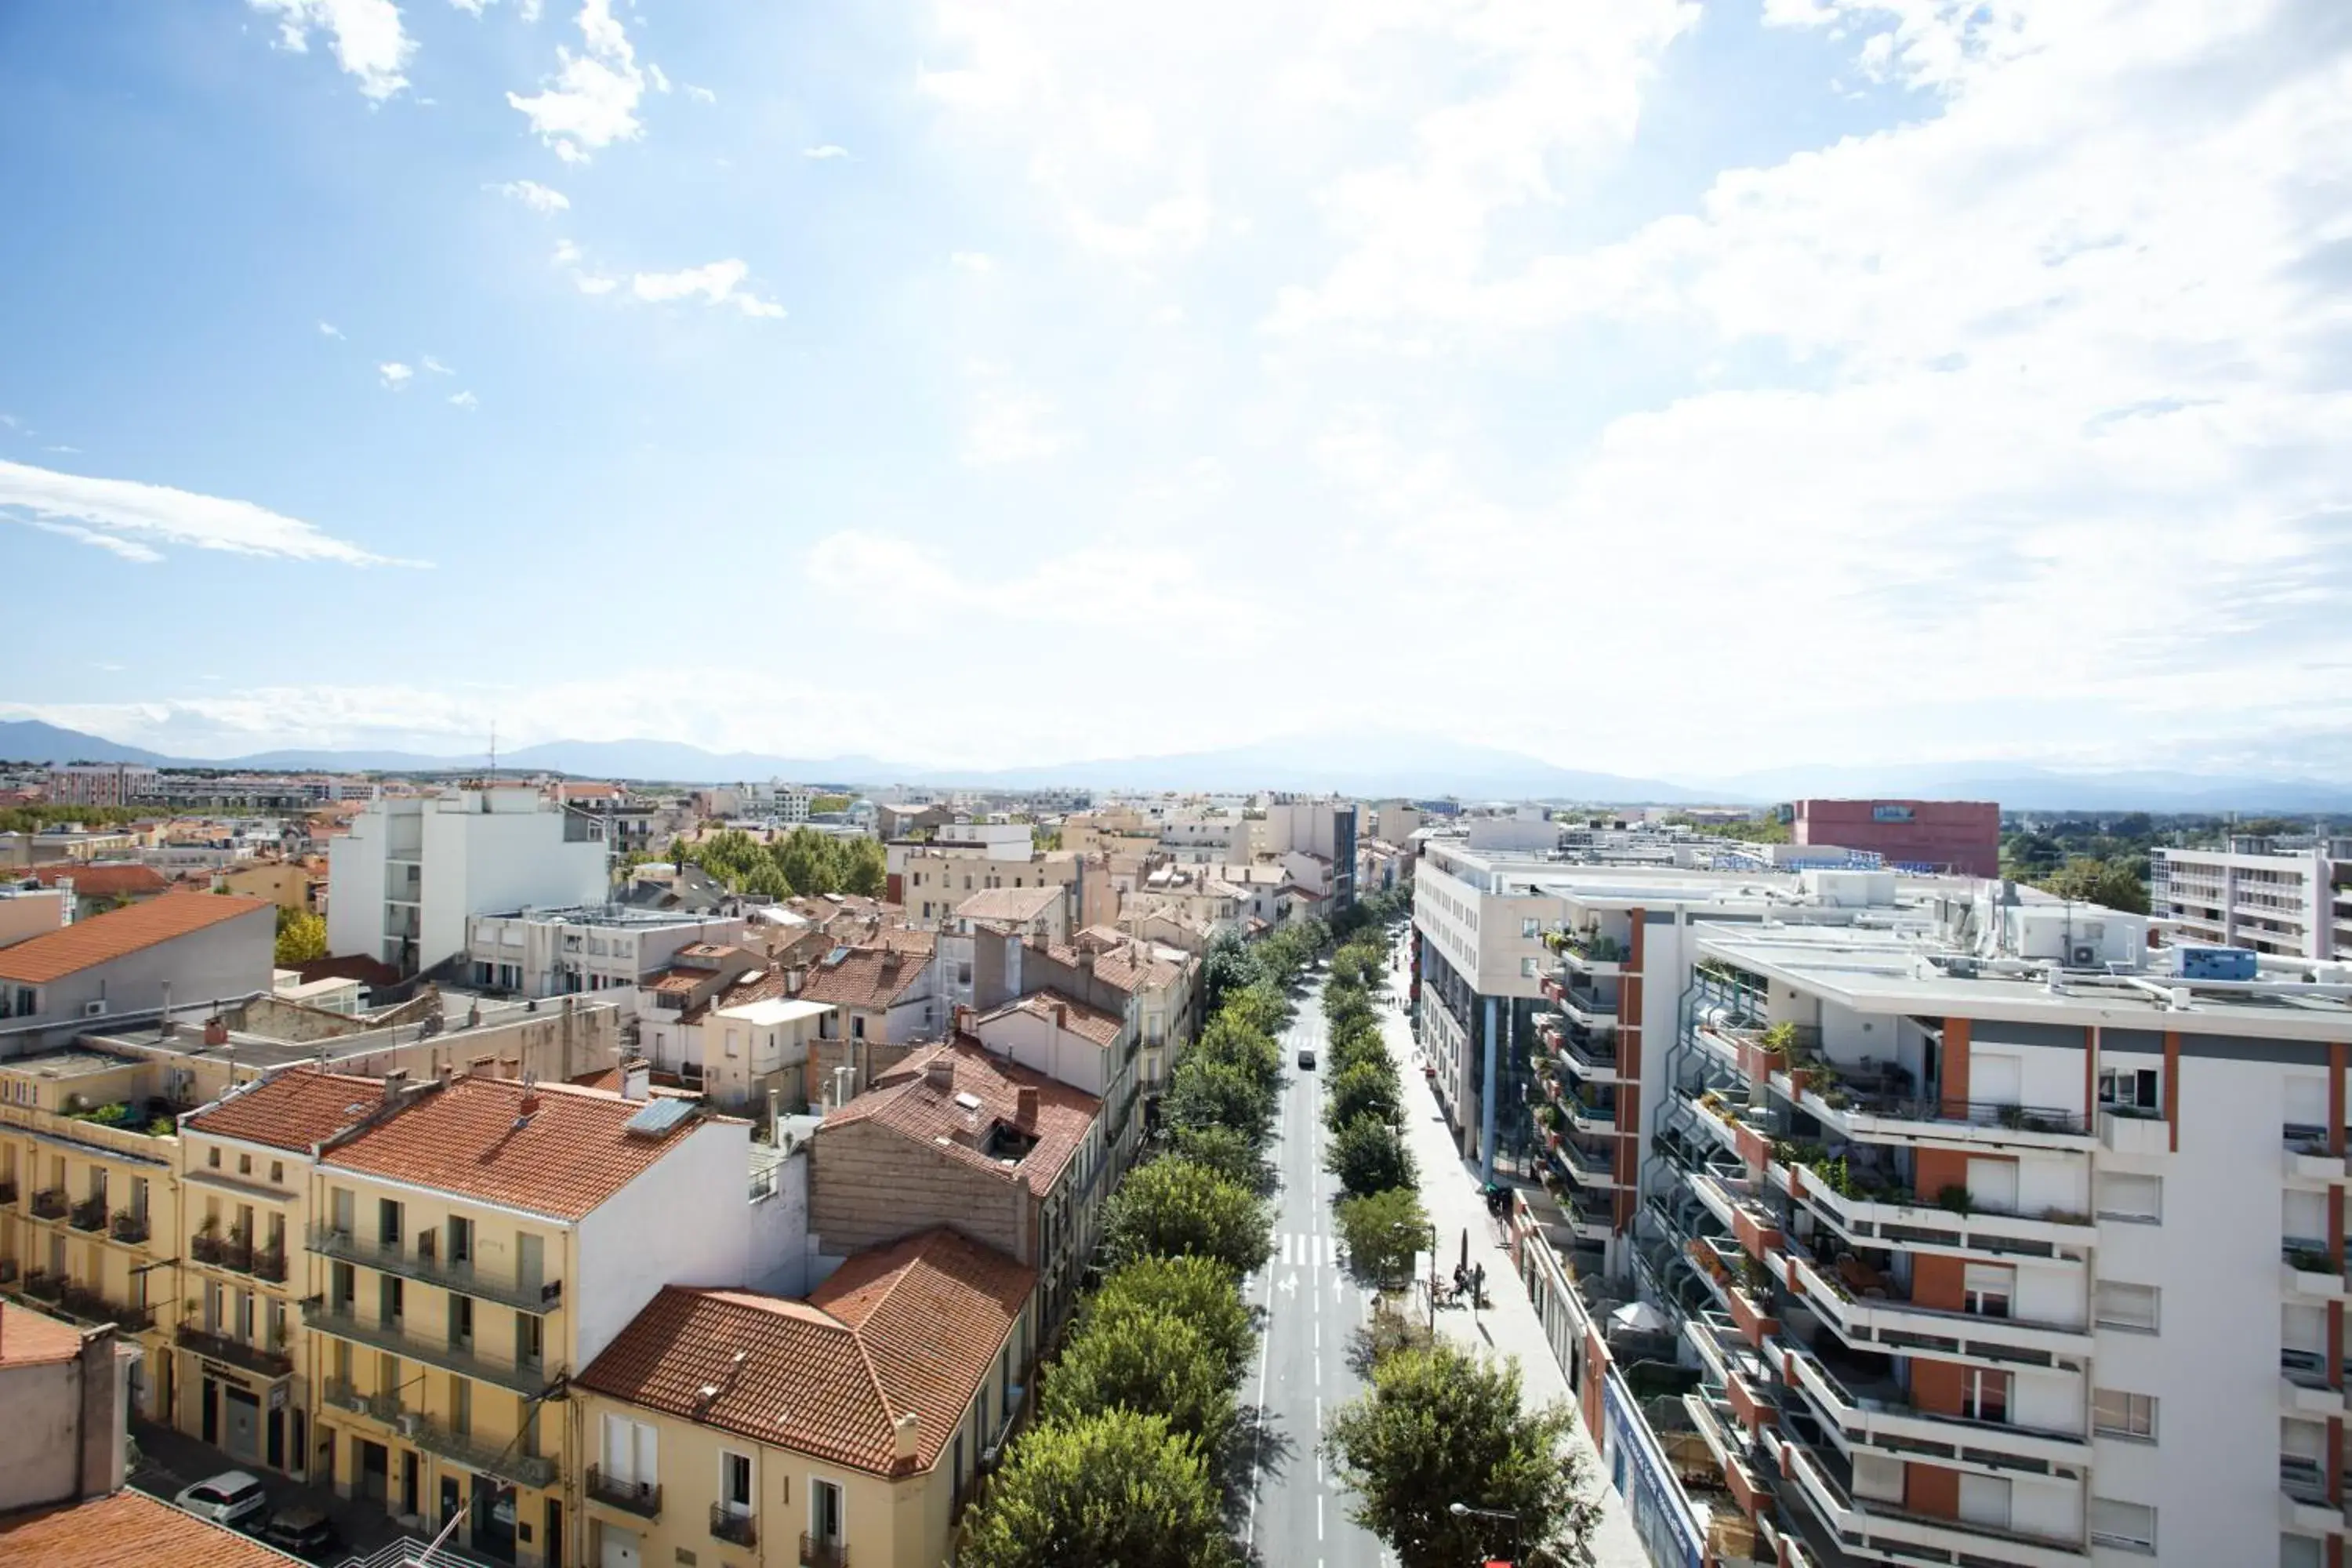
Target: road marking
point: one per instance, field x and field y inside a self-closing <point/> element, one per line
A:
<point x="1319" y="1516"/>
<point x="1257" y="1451"/>
<point x="1318" y="1330"/>
<point x="1319" y="1374"/>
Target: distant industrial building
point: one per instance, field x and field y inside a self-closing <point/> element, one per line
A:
<point x="1962" y="837"/>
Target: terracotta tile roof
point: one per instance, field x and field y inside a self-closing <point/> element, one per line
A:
<point x="866" y="978"/>
<point x="129" y="1529"/>
<point x="32" y="1339"/>
<point x="1133" y="967"/>
<point x="709" y="950"/>
<point x="1087" y="1023"/>
<point x="104" y="880"/>
<point x="298" y="1108"/>
<point x="912" y="1329"/>
<point x="680" y="981"/>
<point x="1016" y="904"/>
<point x="904" y="1101"/>
<point x="571" y="1154"/>
<point x="103" y="938"/>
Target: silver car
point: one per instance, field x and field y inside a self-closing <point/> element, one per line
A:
<point x="232" y="1498"/>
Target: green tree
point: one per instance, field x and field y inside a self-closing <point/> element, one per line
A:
<point x="1369" y="1157"/>
<point x="2114" y="883"/>
<point x="810" y="862"/>
<point x="301" y="937"/>
<point x="1260" y="1008"/>
<point x="1363" y="1088"/>
<point x="865" y="869"/>
<point x="1173" y="1208"/>
<point x="828" y="803"/>
<point x="1115" y="1490"/>
<point x="1199" y="1290"/>
<point x="1381" y="1231"/>
<point x="766" y="883"/>
<point x="1230" y="1151"/>
<point x="1226" y="968"/>
<point x="1346" y="1007"/>
<point x="1439" y="1426"/>
<point x="1357" y="1045"/>
<point x="1247" y="1051"/>
<point x="1205" y="1093"/>
<point x="1150" y="1360"/>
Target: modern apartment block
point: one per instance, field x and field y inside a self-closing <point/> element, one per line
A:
<point x="563" y="952"/>
<point x="1964" y="1238"/>
<point x="2258" y="893"/>
<point x="402" y="881"/>
<point x="1962" y="837"/>
<point x="101" y="784"/>
<point x="1324" y="828"/>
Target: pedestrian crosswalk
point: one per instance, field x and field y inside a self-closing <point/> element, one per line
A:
<point x="1299" y="1249"/>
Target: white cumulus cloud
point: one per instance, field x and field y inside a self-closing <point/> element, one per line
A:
<point x="329" y="330"/>
<point x="701" y="94"/>
<point x="539" y="198"/>
<point x="719" y="282"/>
<point x="970" y="262"/>
<point x="465" y="400"/>
<point x="435" y="367"/>
<point x="591" y="100"/>
<point x="366" y="37"/>
<point x="825" y="150"/>
<point x="141" y="515"/>
<point x="395" y="374"/>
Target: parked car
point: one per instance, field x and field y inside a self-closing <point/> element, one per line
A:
<point x="1306" y="1059"/>
<point x="304" y="1531"/>
<point x="233" y="1496"/>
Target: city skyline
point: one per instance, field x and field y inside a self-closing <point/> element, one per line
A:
<point x="1844" y="371"/>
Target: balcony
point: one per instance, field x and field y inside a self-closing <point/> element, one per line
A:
<point x="1587" y="1167"/>
<point x="816" y="1553"/>
<point x="231" y="1252"/>
<point x="256" y="1359"/>
<point x="2308" y="1159"/>
<point x="127" y="1228"/>
<point x="381" y="1408"/>
<point x="1868" y="1204"/>
<point x="522" y="1378"/>
<point x="1569" y="1216"/>
<point x="496" y="1460"/>
<point x="1587" y="1006"/>
<point x="1588" y="951"/>
<point x="270" y="1264"/>
<point x="729" y="1525"/>
<point x="2304" y="1387"/>
<point x="7" y="1193"/>
<point x="2135" y="1130"/>
<point x="2307" y="1268"/>
<point x="51" y="1203"/>
<point x="1585" y="1056"/>
<point x="1870" y="1407"/>
<point x="1873" y="1312"/>
<point x="642" y="1499"/>
<point x="1825" y="1482"/>
<point x="90" y="1213"/>
<point x="62" y="1297"/>
<point x="447" y="1274"/>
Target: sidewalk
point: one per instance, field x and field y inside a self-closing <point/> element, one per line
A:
<point x="1450" y="1190"/>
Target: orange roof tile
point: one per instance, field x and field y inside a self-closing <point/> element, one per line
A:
<point x="866" y="977"/>
<point x="30" y="1338"/>
<point x="1014" y="904"/>
<point x="298" y="1109"/>
<point x="905" y="1100"/>
<point x="103" y="938"/>
<point x="471" y="1139"/>
<point x="127" y="1529"/>
<point x="1072" y="1015"/>
<point x="913" y="1327"/>
<point x="104" y="880"/>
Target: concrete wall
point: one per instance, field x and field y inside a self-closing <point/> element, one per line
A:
<point x="40" y="1441"/>
<point x="233" y="958"/>
<point x="682" y="1222"/>
<point x="777" y="1245"/>
<point x="868" y="1186"/>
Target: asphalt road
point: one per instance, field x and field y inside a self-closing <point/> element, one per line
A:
<point x="1296" y="1512"/>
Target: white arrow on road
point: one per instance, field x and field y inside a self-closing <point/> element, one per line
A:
<point x="1290" y="1282"/>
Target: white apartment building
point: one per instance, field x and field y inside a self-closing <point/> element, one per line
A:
<point x="1981" y="1244"/>
<point x="101" y="784"/>
<point x="2258" y="894"/>
<point x="1196" y="840"/>
<point x="559" y="952"/>
<point x="1324" y="828"/>
<point x="402" y="883"/>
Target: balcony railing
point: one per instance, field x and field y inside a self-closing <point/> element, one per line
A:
<point x="729" y="1525"/>
<point x="8" y="1193"/>
<point x="816" y="1553"/>
<point x="380" y="1407"/>
<point x="270" y="1264"/>
<point x="90" y="1213"/>
<point x="496" y="1460"/>
<point x="257" y="1359"/>
<point x="1578" y="1046"/>
<point x="447" y="1274"/>
<point x="642" y="1499"/>
<point x="231" y="1251"/>
<point x="521" y="1377"/>
<point x="51" y="1203"/>
<point x="127" y="1227"/>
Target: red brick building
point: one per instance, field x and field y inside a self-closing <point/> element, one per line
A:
<point x="1959" y="836"/>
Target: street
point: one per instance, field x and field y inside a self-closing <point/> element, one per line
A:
<point x="1296" y="1512"/>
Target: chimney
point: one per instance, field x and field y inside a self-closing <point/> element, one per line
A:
<point x="962" y="1019"/>
<point x="164" y="1029"/>
<point x="1061" y="1017"/>
<point x="902" y="1440"/>
<point x="636" y="1079"/>
<point x="792" y="980"/>
<point x="1024" y="1106"/>
<point x="939" y="1073"/>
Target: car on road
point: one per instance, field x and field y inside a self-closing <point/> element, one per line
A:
<point x="233" y="1496"/>
<point x="304" y="1531"/>
<point x="1306" y="1059"/>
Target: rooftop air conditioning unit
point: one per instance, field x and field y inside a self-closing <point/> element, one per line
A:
<point x="2086" y="956"/>
<point x="357" y="1402"/>
<point x="407" y="1424"/>
<point x="93" y="1009"/>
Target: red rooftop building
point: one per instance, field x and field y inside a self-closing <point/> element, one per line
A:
<point x="1957" y="836"/>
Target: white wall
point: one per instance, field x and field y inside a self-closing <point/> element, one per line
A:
<point x="1036" y="1043"/>
<point x="778" y="1233"/>
<point x="40" y="1441"/>
<point x="682" y="1222"/>
<point x="355" y="890"/>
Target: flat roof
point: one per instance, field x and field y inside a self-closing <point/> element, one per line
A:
<point x="773" y="1010"/>
<point x="1890" y="972"/>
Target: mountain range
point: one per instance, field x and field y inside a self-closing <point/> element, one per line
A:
<point x="1413" y="766"/>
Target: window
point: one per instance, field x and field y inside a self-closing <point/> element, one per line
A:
<point x="212" y="1158"/>
<point x="963" y="973"/>
<point x="857" y="1026"/>
<point x="2122" y="1306"/>
<point x="2129" y="1089"/>
<point x="2131" y="1525"/>
<point x="2139" y="1199"/>
<point x="1526" y="969"/>
<point x="735" y="1481"/>
<point x="461" y="1240"/>
<point x="390" y="1300"/>
<point x="277" y="1172"/>
<point x="824" y="1511"/>
<point x="1528" y="927"/>
<point x="1984" y="1396"/>
<point x="244" y="1165"/>
<point x="461" y="1320"/>
<point x="2115" y="1414"/>
<point x="1987" y="1289"/>
<point x="387" y="1222"/>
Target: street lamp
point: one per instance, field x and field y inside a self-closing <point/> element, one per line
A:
<point x="1464" y="1510"/>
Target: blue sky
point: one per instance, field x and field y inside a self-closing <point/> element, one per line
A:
<point x="1646" y="385"/>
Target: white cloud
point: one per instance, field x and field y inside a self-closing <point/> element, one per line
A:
<point x="591" y="100"/>
<point x="566" y="253"/>
<point x="435" y="367"/>
<point x="539" y="198"/>
<point x="329" y="330"/>
<point x="595" y="283"/>
<point x="659" y="78"/>
<point x="825" y="150"/>
<point x="13" y="423"/>
<point x="1010" y="424"/>
<point x="529" y="10"/>
<point x="113" y="543"/>
<point x="140" y="513"/>
<point x="471" y="7"/>
<point x="701" y="94"/>
<point x="67" y="450"/>
<point x="719" y="282"/>
<point x="970" y="262"/>
<point x="465" y="400"/>
<point x="395" y="374"/>
<point x="366" y="35"/>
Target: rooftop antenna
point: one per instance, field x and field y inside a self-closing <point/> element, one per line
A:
<point x="494" y="750"/>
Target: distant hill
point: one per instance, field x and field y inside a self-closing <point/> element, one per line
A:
<point x="1367" y="766"/>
